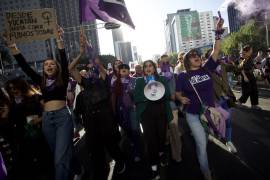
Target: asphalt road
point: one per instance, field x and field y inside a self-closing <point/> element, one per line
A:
<point x="251" y="136"/>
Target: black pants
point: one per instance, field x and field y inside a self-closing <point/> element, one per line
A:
<point x="102" y="135"/>
<point x="154" y="124"/>
<point x="249" y="89"/>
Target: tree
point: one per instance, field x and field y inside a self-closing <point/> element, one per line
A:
<point x="251" y="33"/>
<point x="173" y="58"/>
<point x="107" y="58"/>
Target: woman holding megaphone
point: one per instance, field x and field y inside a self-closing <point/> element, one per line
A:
<point x="152" y="99"/>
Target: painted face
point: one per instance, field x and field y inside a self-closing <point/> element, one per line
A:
<point x="195" y="60"/>
<point x="50" y="67"/>
<point x="149" y="69"/>
<point x="124" y="72"/>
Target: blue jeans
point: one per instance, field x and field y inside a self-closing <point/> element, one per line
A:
<point x="57" y="127"/>
<point x="199" y="135"/>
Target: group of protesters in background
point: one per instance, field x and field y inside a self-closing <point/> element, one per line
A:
<point x="37" y="124"/>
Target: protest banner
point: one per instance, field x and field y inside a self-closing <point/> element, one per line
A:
<point x="36" y="24"/>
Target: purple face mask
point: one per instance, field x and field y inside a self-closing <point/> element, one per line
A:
<point x="165" y="67"/>
<point x="165" y="71"/>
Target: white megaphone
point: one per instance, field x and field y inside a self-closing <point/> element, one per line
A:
<point x="154" y="90"/>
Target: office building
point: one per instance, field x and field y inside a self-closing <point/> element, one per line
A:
<point x="34" y="52"/>
<point x="234" y="16"/>
<point x="207" y="27"/>
<point x="123" y="51"/>
<point x="135" y="53"/>
<point x="68" y="17"/>
<point x="188" y="29"/>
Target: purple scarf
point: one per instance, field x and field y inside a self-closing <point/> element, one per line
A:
<point x="50" y="83"/>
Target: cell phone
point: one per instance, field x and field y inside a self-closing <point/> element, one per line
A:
<point x="219" y="14"/>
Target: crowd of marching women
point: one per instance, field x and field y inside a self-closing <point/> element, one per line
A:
<point x="38" y="121"/>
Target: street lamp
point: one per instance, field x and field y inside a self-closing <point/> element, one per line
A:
<point x="2" y="66"/>
<point x="266" y="29"/>
<point x="108" y="26"/>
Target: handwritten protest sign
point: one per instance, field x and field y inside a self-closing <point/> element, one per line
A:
<point x="37" y="24"/>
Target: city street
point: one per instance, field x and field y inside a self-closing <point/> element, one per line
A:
<point x="251" y="136"/>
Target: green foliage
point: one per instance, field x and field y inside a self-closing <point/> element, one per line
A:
<point x="250" y="33"/>
<point x="173" y="58"/>
<point x="107" y="58"/>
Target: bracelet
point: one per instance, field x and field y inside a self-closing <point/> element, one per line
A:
<point x="218" y="37"/>
<point x="59" y="40"/>
<point x="11" y="46"/>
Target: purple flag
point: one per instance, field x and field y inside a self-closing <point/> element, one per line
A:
<point x="90" y="11"/>
<point x="105" y="10"/>
<point x="116" y="9"/>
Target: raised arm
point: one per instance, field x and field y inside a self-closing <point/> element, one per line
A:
<point x="36" y="78"/>
<point x="217" y="44"/>
<point x="72" y="66"/>
<point x="63" y="58"/>
<point x="73" y="70"/>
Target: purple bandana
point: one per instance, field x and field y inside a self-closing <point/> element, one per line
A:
<point x="18" y="99"/>
<point x="50" y="83"/>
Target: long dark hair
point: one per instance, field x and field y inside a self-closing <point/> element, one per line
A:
<point x="114" y="70"/>
<point x="187" y="63"/>
<point x="154" y="65"/>
<point x="58" y="76"/>
<point x="21" y="85"/>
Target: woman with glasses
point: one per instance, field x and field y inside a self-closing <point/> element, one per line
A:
<point x="198" y="75"/>
<point x="180" y="64"/>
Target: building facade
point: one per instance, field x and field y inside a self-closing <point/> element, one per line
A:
<point x="67" y="17"/>
<point x="188" y="29"/>
<point x="234" y="16"/>
<point x="34" y="52"/>
<point x="123" y="51"/>
<point x="207" y="26"/>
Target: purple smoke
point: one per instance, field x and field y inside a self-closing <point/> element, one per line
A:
<point x="249" y="7"/>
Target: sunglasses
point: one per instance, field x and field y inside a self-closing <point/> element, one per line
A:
<point x="193" y="55"/>
<point x="246" y="49"/>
